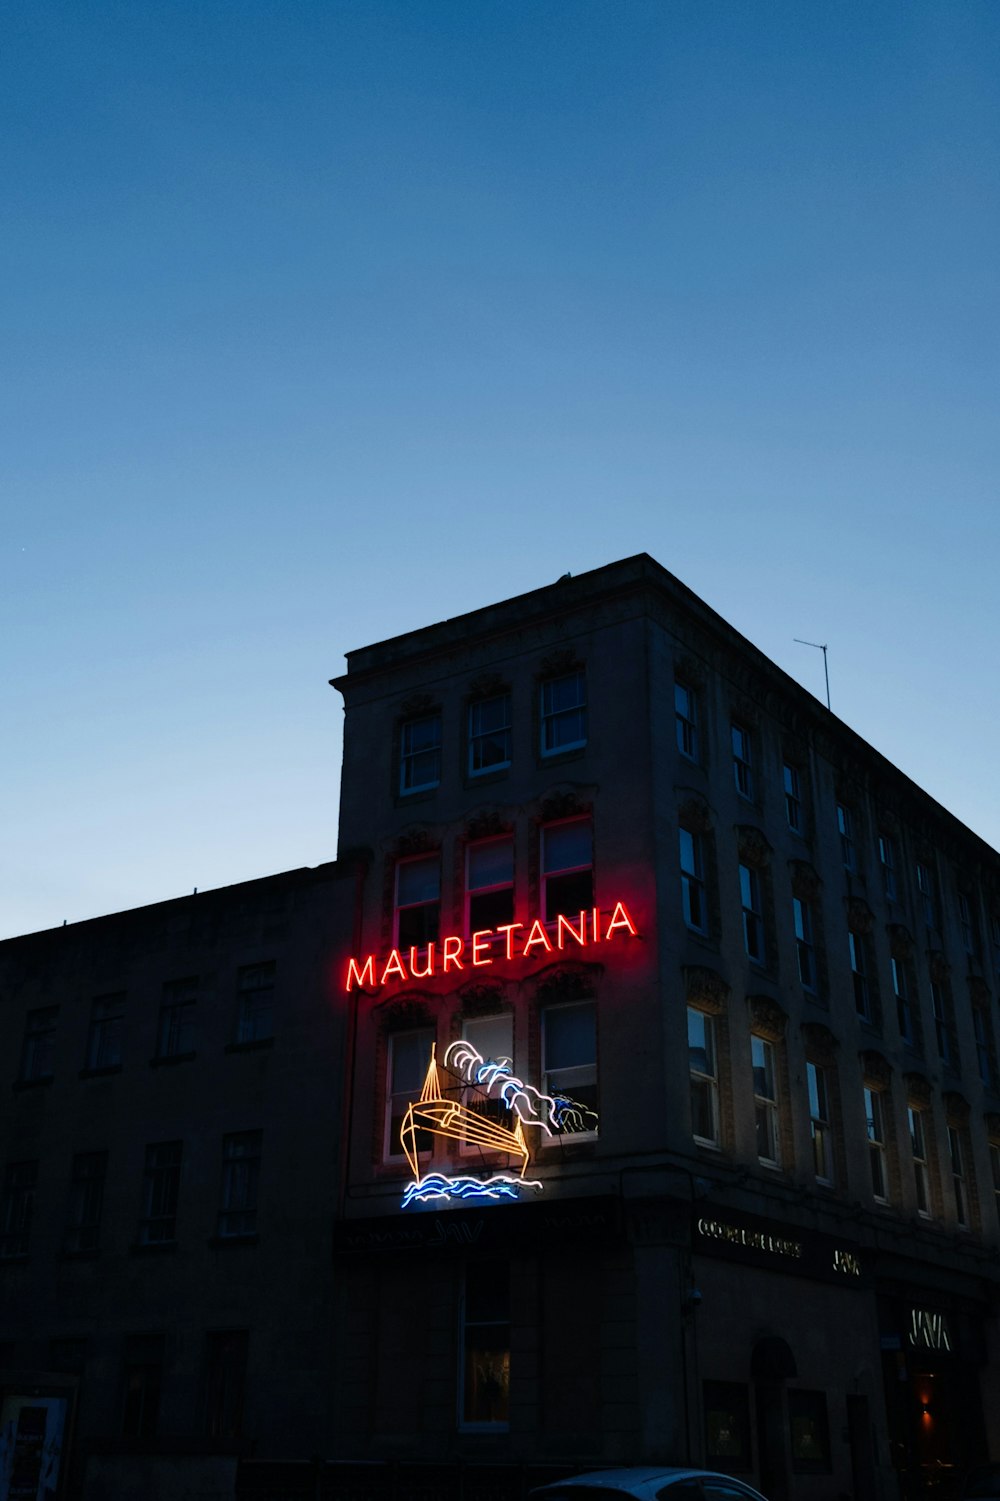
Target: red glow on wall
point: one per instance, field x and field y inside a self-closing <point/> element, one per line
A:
<point x="506" y="943"/>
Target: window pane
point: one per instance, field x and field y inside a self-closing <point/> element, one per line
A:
<point x="418" y="880"/>
<point x="570" y="1036"/>
<point x="566" y="845"/>
<point x="491" y="864"/>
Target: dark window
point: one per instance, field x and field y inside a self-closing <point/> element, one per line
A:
<point x="175" y="1035"/>
<point x="686" y="716"/>
<point x="765" y="1100"/>
<point x="927" y="887"/>
<point x="904" y="1009"/>
<point x="820" y="1125"/>
<point x="809" y="1432"/>
<point x="753" y="914"/>
<point x="107" y="1022"/>
<point x="489" y="734"/>
<point x="255" y="1013"/>
<point x="793" y="796"/>
<point x="418" y="901"/>
<point x="143" y="1379"/>
<point x="38" y="1050"/>
<point x="859" y="973"/>
<point x="921" y="1164"/>
<point x="486" y="1343"/>
<point x="956" y="1148"/>
<point x="704" y="1070"/>
<point x="969" y="923"/>
<point x="564" y="713"/>
<point x="20" y="1181"/>
<point x="420" y="754"/>
<point x="86" y="1200"/>
<point x="160" y="1188"/>
<point x="493" y="1039"/>
<point x="490" y="867"/>
<point x="567" y="868"/>
<point x="225" y="1382"/>
<point x="845" y="828"/>
<point x="742" y="760"/>
<point x="944" y="1028"/>
<point x="692" y="859"/>
<point x="875" y="1117"/>
<point x="569" y="1061"/>
<point x="240" y="1177"/>
<point x="409" y="1054"/>
<point x="887" y="860"/>
<point x="983" y="1031"/>
<point x="802" y="916"/>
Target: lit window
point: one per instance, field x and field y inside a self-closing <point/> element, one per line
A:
<point x="887" y="860"/>
<point x="859" y="974"/>
<point x="107" y="1022"/>
<point x="793" y="796"/>
<point x="802" y="916"/>
<point x="175" y="1037"/>
<point x="742" y="767"/>
<point x="418" y="901"/>
<point x="490" y="884"/>
<point x="409" y="1056"/>
<point x="420" y="754"/>
<point x="240" y="1179"/>
<point x="928" y="895"/>
<point x="686" y="712"/>
<point x="753" y="915"/>
<point x="819" y="1123"/>
<point x="704" y="1077"/>
<point x="564" y="713"/>
<point x="493" y="1039"/>
<point x="39" y="1047"/>
<point x="901" y="990"/>
<point x="765" y="1100"/>
<point x="160" y="1189"/>
<point x="958" y="1176"/>
<point x="86" y="1201"/>
<point x="255" y="1003"/>
<point x="489" y="735"/>
<point x="485" y="1345"/>
<point x="16" y="1207"/>
<point x="569" y="1052"/>
<point x="845" y="828"/>
<point x="877" y="1145"/>
<point x="567" y="868"/>
<point x="921" y="1168"/>
<point x="693" y="881"/>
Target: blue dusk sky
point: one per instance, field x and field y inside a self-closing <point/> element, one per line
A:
<point x="323" y="321"/>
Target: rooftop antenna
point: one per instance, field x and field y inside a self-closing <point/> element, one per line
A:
<point x="826" y="670"/>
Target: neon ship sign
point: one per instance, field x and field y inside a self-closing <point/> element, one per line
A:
<point x="500" y="945"/>
<point x="448" y="1118"/>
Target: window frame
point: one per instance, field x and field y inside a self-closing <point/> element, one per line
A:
<point x="889" y="865"/>
<point x="161" y="1184"/>
<point x="404" y="1096"/>
<point x="563" y="872"/>
<point x="570" y="1088"/>
<point x="693" y="881"/>
<point x="821" y="1132"/>
<point x="477" y="736"/>
<point x="702" y="1080"/>
<point x="766" y="1106"/>
<point x="752" y="907"/>
<point x="489" y="888"/>
<point x="959" y="1176"/>
<point x="916" y="1121"/>
<point x="857" y="949"/>
<point x="467" y="1324"/>
<point x="845" y="830"/>
<point x="176" y="1021"/>
<point x="687" y="718"/>
<point x="409" y="753"/>
<point x="255" y="1017"/>
<point x="106" y="1033"/>
<point x="429" y="859"/>
<point x="805" y="943"/>
<point x="38" y="1045"/>
<point x="549" y="715"/>
<point x="82" y="1230"/>
<point x="239" y="1188"/>
<point x="791" y="781"/>
<point x="741" y="743"/>
<point x="17" y="1207"/>
<point x="878" y="1144"/>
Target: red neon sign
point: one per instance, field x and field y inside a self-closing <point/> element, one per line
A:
<point x="516" y="940"/>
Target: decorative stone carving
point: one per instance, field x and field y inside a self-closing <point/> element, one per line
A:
<point x="485" y="824"/>
<point x="754" y="848"/>
<point x="939" y="967"/>
<point x="559" y="661"/>
<point x="805" y="881"/>
<point x="766" y="1017"/>
<point x="956" y="1109"/>
<point x="690" y="670"/>
<point x="406" y="1012"/>
<point x="900" y="940"/>
<point x="877" y="1071"/>
<point x="566" y="985"/>
<point x="414" y="842"/>
<point x="488" y="685"/>
<point x="746" y="712"/>
<point x="418" y="704"/>
<point x="562" y="805"/>
<point x="483" y="1000"/>
<point x="918" y="1090"/>
<point x="705" y="989"/>
<point x="860" y="917"/>
<point x="979" y="993"/>
<point x="820" y="1042"/>
<point x="694" y="814"/>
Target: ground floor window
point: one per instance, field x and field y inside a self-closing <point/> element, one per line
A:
<point x="485" y="1345"/>
<point x="727" y="1424"/>
<point x="809" y="1431"/>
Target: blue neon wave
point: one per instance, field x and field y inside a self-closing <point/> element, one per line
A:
<point x="438" y="1186"/>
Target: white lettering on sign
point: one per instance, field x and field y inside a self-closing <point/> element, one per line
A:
<point x="928" y="1330"/>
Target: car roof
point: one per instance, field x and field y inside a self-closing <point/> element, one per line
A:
<point x="633" y="1478"/>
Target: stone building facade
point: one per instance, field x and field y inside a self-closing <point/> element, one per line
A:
<point x="759" y="1224"/>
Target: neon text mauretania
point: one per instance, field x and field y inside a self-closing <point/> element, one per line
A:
<point x="509" y="941"/>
